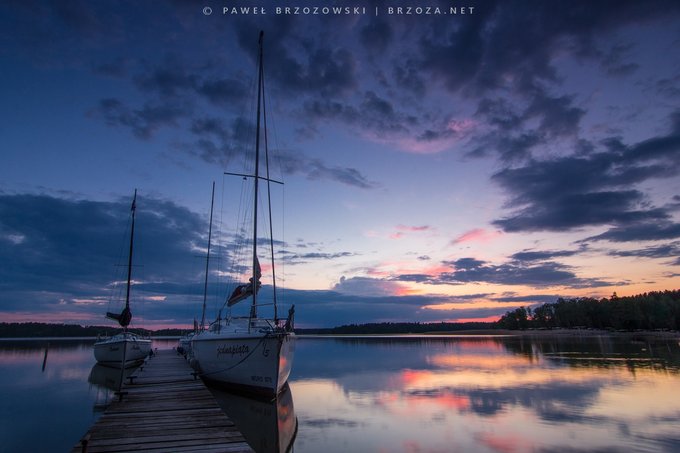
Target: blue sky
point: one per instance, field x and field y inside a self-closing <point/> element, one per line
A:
<point x="437" y="167"/>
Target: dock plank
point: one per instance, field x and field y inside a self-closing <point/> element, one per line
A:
<point x="165" y="408"/>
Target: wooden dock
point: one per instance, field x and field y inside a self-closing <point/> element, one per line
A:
<point x="164" y="409"/>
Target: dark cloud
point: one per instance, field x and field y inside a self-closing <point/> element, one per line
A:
<point x="541" y="255"/>
<point x="293" y="258"/>
<point x="219" y="141"/>
<point x="669" y="87"/>
<point x="329" y="308"/>
<point x="529" y="299"/>
<point x="144" y="122"/>
<point x="640" y="231"/>
<point x="499" y="113"/>
<point x="317" y="169"/>
<point x="53" y="32"/>
<point x="575" y="191"/>
<point x="68" y="249"/>
<point x="408" y="77"/>
<point x="224" y="91"/>
<point x="511" y="138"/>
<point x="531" y="271"/>
<point x="670" y="250"/>
<point x="558" y="117"/>
<point x="169" y="79"/>
<point x="514" y="42"/>
<point x="299" y="65"/>
<point x="614" y="61"/>
<point x="373" y="113"/>
<point x="567" y="211"/>
<point x="468" y="270"/>
<point x="377" y="35"/>
<point x="174" y="91"/>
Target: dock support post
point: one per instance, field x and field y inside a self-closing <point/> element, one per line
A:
<point x="83" y="443"/>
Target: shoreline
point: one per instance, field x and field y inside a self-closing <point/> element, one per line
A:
<point x="560" y="332"/>
<point x="671" y="334"/>
<point x="52" y="338"/>
<point x="565" y="332"/>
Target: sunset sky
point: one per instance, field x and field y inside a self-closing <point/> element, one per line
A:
<point x="437" y="167"/>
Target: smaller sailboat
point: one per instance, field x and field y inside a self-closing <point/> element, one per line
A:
<point x="126" y="348"/>
<point x="184" y="346"/>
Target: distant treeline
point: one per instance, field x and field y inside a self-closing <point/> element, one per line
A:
<point x="36" y="329"/>
<point x="398" y="328"/>
<point x="648" y="311"/>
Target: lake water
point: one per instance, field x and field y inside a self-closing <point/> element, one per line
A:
<point x="398" y="394"/>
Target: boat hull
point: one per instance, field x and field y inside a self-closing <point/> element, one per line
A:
<point x="257" y="362"/>
<point x="111" y="351"/>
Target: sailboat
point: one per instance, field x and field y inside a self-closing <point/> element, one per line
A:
<point x="184" y="344"/>
<point x="252" y="353"/>
<point x="126" y="348"/>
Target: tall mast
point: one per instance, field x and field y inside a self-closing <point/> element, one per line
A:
<point x="132" y="236"/>
<point x="269" y="200"/>
<point x="253" y="308"/>
<point x="207" y="257"/>
<point x="125" y="316"/>
<point x="129" y="273"/>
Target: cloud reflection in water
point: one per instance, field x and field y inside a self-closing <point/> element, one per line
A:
<point x="495" y="394"/>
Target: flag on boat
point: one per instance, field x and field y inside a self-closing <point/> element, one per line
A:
<point x="244" y="291"/>
<point x="123" y="318"/>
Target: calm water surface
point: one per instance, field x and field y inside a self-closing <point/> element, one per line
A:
<point x="397" y="394"/>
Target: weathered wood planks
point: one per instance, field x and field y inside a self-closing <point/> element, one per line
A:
<point x="164" y="410"/>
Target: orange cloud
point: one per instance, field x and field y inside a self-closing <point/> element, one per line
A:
<point x="492" y="318"/>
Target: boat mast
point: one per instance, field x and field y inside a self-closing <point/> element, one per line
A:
<point x="126" y="321"/>
<point x="126" y="316"/>
<point x="207" y="257"/>
<point x="269" y="200"/>
<point x="253" y="308"/>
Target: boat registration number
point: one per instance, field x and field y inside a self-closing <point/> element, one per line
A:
<point x="261" y="379"/>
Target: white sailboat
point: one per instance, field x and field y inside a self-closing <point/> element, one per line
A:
<point x="126" y="348"/>
<point x="249" y="352"/>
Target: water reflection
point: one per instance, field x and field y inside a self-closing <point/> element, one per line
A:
<point x="500" y="394"/>
<point x="268" y="425"/>
<point x="109" y="378"/>
<point x="414" y="394"/>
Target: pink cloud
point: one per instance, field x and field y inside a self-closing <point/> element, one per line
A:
<point x="476" y="235"/>
<point x="448" y="136"/>
<point x="461" y="127"/>
<point x="508" y="443"/>
<point x="412" y="228"/>
<point x="403" y="229"/>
